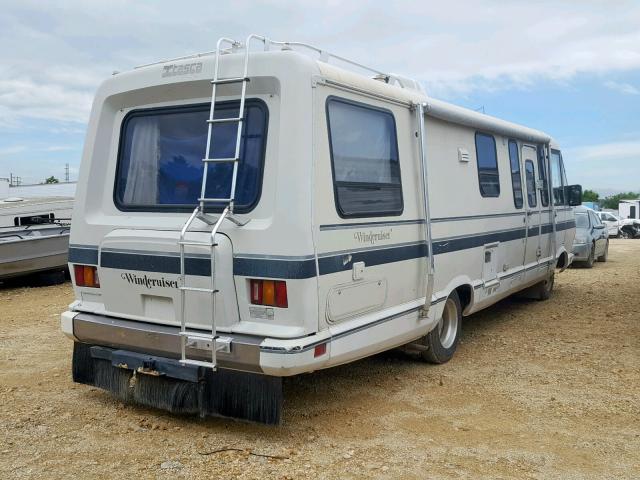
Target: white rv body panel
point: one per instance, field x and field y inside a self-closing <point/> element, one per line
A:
<point x="356" y="284"/>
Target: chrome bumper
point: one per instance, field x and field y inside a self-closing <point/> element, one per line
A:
<point x="161" y="340"/>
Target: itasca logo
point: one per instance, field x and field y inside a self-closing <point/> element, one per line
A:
<point x="185" y="69"/>
<point x="148" y="282"/>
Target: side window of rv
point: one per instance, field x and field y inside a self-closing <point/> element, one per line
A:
<point x="516" y="179"/>
<point x="531" y="183"/>
<point x="556" y="178"/>
<point x="161" y="150"/>
<point x="487" y="160"/>
<point x="364" y="157"/>
<point x="542" y="173"/>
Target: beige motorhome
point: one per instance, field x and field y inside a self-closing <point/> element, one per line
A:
<point x="307" y="213"/>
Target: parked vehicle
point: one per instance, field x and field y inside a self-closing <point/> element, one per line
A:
<point x="592" y="238"/>
<point x="629" y="209"/>
<point x="34" y="237"/>
<point x="301" y="216"/>
<point x="612" y="222"/>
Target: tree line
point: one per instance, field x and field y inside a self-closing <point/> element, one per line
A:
<point x="611" y="201"/>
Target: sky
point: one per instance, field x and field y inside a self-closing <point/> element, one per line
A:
<point x="569" y="68"/>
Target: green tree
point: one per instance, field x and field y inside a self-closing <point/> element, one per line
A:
<point x="590" y="196"/>
<point x="612" y="201"/>
<point x="51" y="179"/>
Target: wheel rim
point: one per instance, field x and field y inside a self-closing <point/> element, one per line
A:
<point x="448" y="325"/>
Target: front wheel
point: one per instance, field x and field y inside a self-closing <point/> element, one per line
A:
<point x="544" y="288"/>
<point x="442" y="341"/>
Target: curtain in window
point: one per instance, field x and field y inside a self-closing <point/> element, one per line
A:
<point x="142" y="183"/>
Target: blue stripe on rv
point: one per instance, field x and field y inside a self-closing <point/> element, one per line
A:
<point x="295" y="268"/>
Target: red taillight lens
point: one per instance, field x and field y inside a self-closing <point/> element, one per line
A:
<point x="269" y="292"/>
<point x="86" y="276"/>
<point x="281" y="295"/>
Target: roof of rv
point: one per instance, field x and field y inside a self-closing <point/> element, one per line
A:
<point x="346" y="73"/>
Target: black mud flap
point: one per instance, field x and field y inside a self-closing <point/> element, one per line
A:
<point x="165" y="383"/>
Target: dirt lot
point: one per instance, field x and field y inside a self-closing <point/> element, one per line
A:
<point x="536" y="390"/>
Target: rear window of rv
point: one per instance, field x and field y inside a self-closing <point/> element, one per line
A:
<point x="364" y="155"/>
<point x="487" y="159"/>
<point x="161" y="150"/>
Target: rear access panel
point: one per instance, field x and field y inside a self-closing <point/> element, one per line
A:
<point x="140" y="274"/>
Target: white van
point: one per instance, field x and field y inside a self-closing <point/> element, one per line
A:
<point x="352" y="214"/>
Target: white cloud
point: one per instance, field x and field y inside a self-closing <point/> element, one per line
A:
<point x="607" y="151"/>
<point x="61" y="148"/>
<point x="12" y="150"/>
<point x="621" y="87"/>
<point x="58" y="54"/>
<point x="605" y="167"/>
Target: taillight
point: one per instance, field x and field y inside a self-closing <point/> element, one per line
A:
<point x="86" y="276"/>
<point x="269" y="292"/>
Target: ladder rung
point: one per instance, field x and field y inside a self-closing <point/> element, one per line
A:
<point x="198" y="363"/>
<point x="196" y="289"/>
<point x="229" y="80"/>
<point x="198" y="335"/>
<point x="198" y="244"/>
<point x="215" y="200"/>
<point x="220" y="160"/>
<point x="225" y="120"/>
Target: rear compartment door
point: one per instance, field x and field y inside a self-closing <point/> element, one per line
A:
<point x="140" y="274"/>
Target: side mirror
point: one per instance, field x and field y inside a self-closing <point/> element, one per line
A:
<point x="574" y="195"/>
<point x="599" y="227"/>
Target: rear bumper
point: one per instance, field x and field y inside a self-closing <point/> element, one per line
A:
<point x="581" y="251"/>
<point x="158" y="340"/>
<point x="344" y="343"/>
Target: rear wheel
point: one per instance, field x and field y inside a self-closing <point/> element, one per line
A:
<point x="592" y="257"/>
<point x="605" y="255"/>
<point x="442" y="341"/>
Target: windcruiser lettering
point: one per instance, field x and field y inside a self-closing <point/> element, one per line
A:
<point x="149" y="282"/>
<point x="372" y="237"/>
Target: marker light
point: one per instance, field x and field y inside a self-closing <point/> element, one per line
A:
<point x="86" y="276"/>
<point x="320" y="350"/>
<point x="269" y="292"/>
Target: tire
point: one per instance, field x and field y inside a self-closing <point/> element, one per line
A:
<point x="442" y="341"/>
<point x="591" y="260"/>
<point x="542" y="291"/>
<point x="605" y="255"/>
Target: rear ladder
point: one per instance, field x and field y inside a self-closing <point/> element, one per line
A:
<point x="200" y="340"/>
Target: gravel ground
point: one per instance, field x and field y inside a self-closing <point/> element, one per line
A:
<point x="536" y="390"/>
